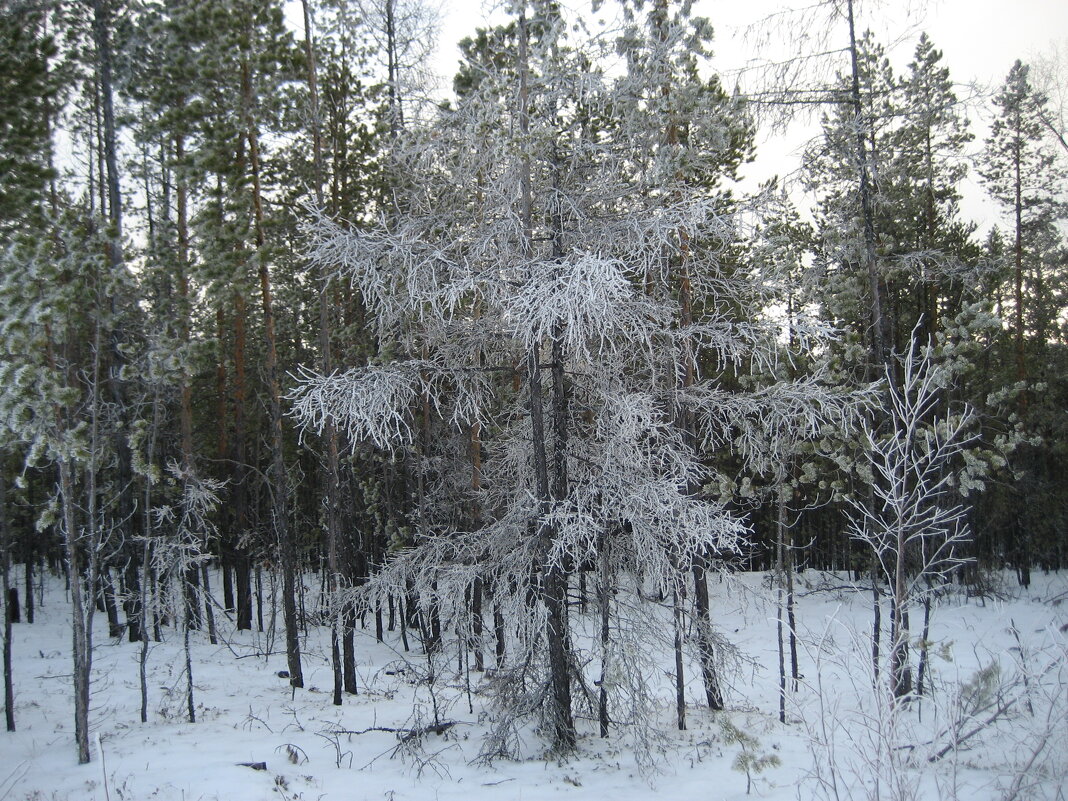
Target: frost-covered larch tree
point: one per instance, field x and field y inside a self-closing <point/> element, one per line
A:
<point x="556" y="283"/>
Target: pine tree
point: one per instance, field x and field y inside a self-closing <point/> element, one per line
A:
<point x="928" y="141"/>
<point x="55" y="310"/>
<point x="1021" y="171"/>
<point x="27" y="96"/>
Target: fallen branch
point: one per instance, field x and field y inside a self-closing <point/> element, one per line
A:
<point x="404" y="735"/>
<point x="1002" y="708"/>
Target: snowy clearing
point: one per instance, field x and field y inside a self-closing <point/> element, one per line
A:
<point x="837" y="741"/>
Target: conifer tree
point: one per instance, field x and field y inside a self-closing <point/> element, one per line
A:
<point x="568" y="252"/>
<point x="1021" y="171"/>
<point x="27" y="95"/>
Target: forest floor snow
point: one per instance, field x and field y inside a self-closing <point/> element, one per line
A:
<point x="840" y="740"/>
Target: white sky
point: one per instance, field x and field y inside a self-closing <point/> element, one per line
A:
<point x="980" y="40"/>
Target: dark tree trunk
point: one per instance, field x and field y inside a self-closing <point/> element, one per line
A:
<point x="11" y="602"/>
<point x="242" y="561"/>
<point x="243" y="575"/>
<point x="476" y="623"/>
<point x="109" y="593"/>
<point x="14" y="612"/>
<point x="209" y="613"/>
<point x="331" y="473"/>
<point x="31" y="556"/>
<point x="713" y="693"/>
<point x="604" y="599"/>
<point x="226" y="567"/>
<point x="132" y="596"/>
<point x="499" y="635"/>
<point x="109" y="140"/>
<point x="349" y="648"/>
<point x="192" y="598"/>
<point x="280" y="494"/>
<point x="553" y="582"/>
<point x="259" y="600"/>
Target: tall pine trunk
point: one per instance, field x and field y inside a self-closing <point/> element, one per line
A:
<point x="280" y="494"/>
<point x="331" y="473"/>
<point x="5" y="562"/>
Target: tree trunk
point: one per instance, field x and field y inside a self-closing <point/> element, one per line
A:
<point x="685" y="423"/>
<point x="226" y="568"/>
<point x="227" y="540"/>
<point x="9" y="613"/>
<point x="779" y="609"/>
<point x="348" y="666"/>
<point x="331" y="474"/>
<point x="191" y="712"/>
<point x="110" y="598"/>
<point x="209" y="613"/>
<point x="259" y="599"/>
<point x="242" y="561"/>
<point x="713" y="693"/>
<point x="82" y="616"/>
<point x="604" y="598"/>
<point x="132" y="593"/>
<point x="921" y="669"/>
<point x="1017" y="254"/>
<point x="142" y="661"/>
<point x="243" y="582"/>
<point x="30" y="558"/>
<point x="476" y="523"/>
<point x="878" y="323"/>
<point x="553" y="580"/>
<point x="678" y="624"/>
<point x="900" y="676"/>
<point x="191" y="589"/>
<point x="144" y="602"/>
<point x="499" y="637"/>
<point x="109" y="140"/>
<point x="280" y="494"/>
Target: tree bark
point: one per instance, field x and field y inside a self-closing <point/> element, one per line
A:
<point x="331" y="474"/>
<point x="280" y="491"/>
<point x="604" y="598"/>
<point x="5" y="555"/>
<point x="31" y="557"/>
<point x="680" y="669"/>
<point x="900" y="676"/>
<point x="553" y="579"/>
<point x="109" y="140"/>
<point x="81" y="617"/>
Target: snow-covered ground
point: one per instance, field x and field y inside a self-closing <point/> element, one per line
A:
<point x="840" y="740"/>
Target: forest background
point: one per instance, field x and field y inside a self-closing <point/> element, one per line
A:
<point x="271" y="306"/>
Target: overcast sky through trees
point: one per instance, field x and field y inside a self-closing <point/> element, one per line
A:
<point x="980" y="40"/>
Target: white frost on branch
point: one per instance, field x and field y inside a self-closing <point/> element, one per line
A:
<point x="368" y="403"/>
<point x="589" y="301"/>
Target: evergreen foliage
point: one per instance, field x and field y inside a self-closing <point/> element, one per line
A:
<point x="503" y="362"/>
